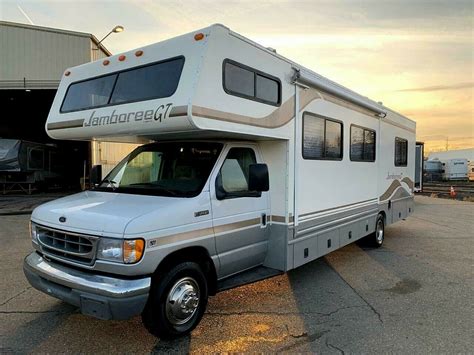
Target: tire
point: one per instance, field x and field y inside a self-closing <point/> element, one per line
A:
<point x="376" y="239"/>
<point x="182" y="285"/>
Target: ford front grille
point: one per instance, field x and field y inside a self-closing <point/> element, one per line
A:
<point x="68" y="246"/>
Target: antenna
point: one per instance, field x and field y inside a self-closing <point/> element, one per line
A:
<point x="25" y="14"/>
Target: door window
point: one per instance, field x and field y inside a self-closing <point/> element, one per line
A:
<point x="233" y="178"/>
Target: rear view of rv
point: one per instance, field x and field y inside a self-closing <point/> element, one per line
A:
<point x="251" y="166"/>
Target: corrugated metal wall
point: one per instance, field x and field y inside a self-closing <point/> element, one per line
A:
<point x="35" y="57"/>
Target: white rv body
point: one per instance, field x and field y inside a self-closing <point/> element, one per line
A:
<point x="455" y="169"/>
<point x="314" y="206"/>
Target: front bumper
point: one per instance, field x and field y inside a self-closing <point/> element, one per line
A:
<point x="99" y="296"/>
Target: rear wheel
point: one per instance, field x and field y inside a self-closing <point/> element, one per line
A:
<point x="177" y="301"/>
<point x="376" y="239"/>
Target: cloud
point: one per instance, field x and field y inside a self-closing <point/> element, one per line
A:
<point x="457" y="86"/>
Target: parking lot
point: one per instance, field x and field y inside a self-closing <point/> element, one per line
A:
<point x="413" y="295"/>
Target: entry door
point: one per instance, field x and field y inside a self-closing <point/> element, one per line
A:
<point x="239" y="215"/>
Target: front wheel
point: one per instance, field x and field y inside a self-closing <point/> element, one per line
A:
<point x="177" y="301"/>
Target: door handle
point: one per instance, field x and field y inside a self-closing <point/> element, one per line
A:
<point x="264" y="219"/>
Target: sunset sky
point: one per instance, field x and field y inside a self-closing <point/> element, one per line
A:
<point x="415" y="56"/>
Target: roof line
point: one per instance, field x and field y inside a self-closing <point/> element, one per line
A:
<point x="59" y="31"/>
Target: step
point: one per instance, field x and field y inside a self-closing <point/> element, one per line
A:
<point x="253" y="275"/>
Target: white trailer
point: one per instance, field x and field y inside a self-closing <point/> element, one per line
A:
<point x="454" y="169"/>
<point x="259" y="166"/>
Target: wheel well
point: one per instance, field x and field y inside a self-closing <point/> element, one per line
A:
<point x="200" y="256"/>
<point x="382" y="213"/>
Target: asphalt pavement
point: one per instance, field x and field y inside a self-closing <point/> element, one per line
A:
<point x="413" y="295"/>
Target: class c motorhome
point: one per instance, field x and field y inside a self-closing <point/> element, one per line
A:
<point x="254" y="166"/>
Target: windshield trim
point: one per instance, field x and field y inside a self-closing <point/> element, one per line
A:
<point x="116" y="73"/>
<point x="157" y="191"/>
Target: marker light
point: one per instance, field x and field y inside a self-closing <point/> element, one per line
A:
<point x="122" y="58"/>
<point x="106" y="62"/>
<point x="138" y="53"/>
<point x="67" y="73"/>
<point x="198" y="36"/>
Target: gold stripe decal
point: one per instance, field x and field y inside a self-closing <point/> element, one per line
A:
<point x="409" y="182"/>
<point x="391" y="189"/>
<point x="194" y="234"/>
<point x="279" y="117"/>
<point x="179" y="111"/>
<point x="66" y="124"/>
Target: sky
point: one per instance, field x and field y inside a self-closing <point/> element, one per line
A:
<point x="416" y="56"/>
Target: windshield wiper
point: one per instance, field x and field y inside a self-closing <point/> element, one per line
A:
<point x="111" y="183"/>
<point x="158" y="187"/>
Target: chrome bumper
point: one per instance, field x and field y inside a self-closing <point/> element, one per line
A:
<point x="100" y="296"/>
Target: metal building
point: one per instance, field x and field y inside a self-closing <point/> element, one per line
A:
<point x="32" y="61"/>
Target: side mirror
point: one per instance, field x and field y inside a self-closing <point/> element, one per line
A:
<point x="96" y="175"/>
<point x="258" y="177"/>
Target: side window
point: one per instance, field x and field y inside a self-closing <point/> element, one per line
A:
<point x="249" y="83"/>
<point x="401" y="151"/>
<point x="322" y="138"/>
<point x="362" y="144"/>
<point x="233" y="178"/>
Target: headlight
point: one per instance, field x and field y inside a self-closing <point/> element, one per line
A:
<point x="33" y="232"/>
<point x="121" y="251"/>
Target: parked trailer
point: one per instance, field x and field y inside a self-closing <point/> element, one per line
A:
<point x="433" y="170"/>
<point x="247" y="177"/>
<point x="455" y="169"/>
<point x="28" y="165"/>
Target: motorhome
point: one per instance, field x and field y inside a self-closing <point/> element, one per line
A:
<point x="454" y="169"/>
<point x="252" y="165"/>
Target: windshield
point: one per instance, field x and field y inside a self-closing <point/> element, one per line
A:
<point x="164" y="169"/>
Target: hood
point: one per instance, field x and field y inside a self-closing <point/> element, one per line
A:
<point x="109" y="213"/>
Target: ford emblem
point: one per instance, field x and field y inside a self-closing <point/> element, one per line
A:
<point x="62" y="219"/>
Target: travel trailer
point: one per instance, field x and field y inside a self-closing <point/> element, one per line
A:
<point x="27" y="166"/>
<point x="471" y="171"/>
<point x="254" y="166"/>
<point x="454" y="169"/>
<point x="433" y="170"/>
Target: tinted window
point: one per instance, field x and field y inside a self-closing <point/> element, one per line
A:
<point x="249" y="83"/>
<point x="401" y="152"/>
<point x="267" y="89"/>
<point x="362" y="144"/>
<point x="154" y="81"/>
<point x="148" y="82"/>
<point x="322" y="138"/>
<point x="239" y="80"/>
<point x="333" y="146"/>
<point x="88" y="94"/>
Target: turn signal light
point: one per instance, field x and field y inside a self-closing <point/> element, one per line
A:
<point x="122" y="58"/>
<point x="106" y="62"/>
<point x="198" y="36"/>
<point x="133" y="250"/>
<point x="138" y="53"/>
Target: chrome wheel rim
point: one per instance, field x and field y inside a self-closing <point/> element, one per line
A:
<point x="182" y="301"/>
<point x="379" y="231"/>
